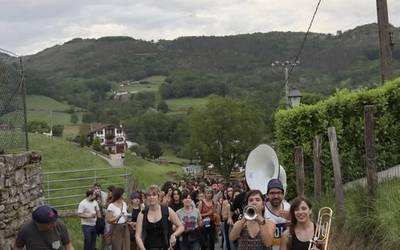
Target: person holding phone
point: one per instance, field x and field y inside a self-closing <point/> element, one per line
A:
<point x="89" y="212"/>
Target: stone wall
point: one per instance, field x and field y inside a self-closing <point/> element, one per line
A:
<point x="20" y="192"/>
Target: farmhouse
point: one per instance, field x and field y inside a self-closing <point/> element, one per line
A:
<point x="112" y="138"/>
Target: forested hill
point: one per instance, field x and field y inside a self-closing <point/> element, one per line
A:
<point x="233" y="65"/>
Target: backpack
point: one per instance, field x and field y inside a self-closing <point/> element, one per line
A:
<point x="166" y="224"/>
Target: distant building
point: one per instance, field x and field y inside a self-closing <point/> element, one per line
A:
<point x="112" y="138"/>
<point x="192" y="169"/>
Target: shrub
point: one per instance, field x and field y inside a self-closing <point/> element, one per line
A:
<point x="58" y="130"/>
<point x="96" y="144"/>
<point x="344" y="111"/>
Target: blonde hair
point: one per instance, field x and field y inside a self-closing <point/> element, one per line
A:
<point x="153" y="189"/>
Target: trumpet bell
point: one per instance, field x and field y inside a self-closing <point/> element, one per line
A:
<point x="250" y="213"/>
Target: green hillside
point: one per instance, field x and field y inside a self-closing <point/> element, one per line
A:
<point x="183" y="105"/>
<point x="36" y="102"/>
<point x="39" y="108"/>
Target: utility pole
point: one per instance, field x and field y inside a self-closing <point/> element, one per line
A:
<point x="385" y="40"/>
<point x="285" y="65"/>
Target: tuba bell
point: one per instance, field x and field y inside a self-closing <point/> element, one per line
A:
<point x="262" y="165"/>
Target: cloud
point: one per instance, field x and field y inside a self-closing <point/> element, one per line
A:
<point x="28" y="26"/>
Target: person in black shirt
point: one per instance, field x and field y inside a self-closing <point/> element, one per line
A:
<point x="301" y="232"/>
<point x="44" y="231"/>
<point x="153" y="228"/>
<point x="176" y="200"/>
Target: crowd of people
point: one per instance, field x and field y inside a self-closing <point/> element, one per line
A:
<point x="197" y="215"/>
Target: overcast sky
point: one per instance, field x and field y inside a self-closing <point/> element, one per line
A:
<point x="28" y="26"/>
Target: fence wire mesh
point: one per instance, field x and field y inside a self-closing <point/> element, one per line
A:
<point x="13" y="135"/>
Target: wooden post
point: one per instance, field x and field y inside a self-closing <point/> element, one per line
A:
<point x="370" y="155"/>
<point x="317" y="168"/>
<point x="299" y="163"/>
<point x="385" y="40"/>
<point x="339" y="193"/>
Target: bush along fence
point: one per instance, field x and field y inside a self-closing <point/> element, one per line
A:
<point x="345" y="112"/>
<point x="346" y="137"/>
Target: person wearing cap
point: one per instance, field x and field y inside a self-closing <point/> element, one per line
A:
<point x="134" y="208"/>
<point x="44" y="231"/>
<point x="277" y="210"/>
<point x="89" y="212"/>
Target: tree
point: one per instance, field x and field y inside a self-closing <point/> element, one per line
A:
<point x="163" y="107"/>
<point x="96" y="144"/>
<point x="140" y="150"/>
<point x="154" y="150"/>
<point x="225" y="132"/>
<point x="74" y="118"/>
<point x="82" y="140"/>
<point x="58" y="130"/>
<point x="38" y="127"/>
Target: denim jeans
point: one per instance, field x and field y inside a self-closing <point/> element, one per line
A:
<point x="89" y="235"/>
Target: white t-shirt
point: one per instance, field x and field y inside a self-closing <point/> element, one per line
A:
<point x="90" y="207"/>
<point x="116" y="212"/>
<point x="279" y="222"/>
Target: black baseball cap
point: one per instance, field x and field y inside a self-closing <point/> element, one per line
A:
<point x="44" y="215"/>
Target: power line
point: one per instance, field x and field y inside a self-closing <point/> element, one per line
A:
<point x="305" y="37"/>
<point x="8" y="52"/>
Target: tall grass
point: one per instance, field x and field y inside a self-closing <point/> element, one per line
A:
<point x="370" y="227"/>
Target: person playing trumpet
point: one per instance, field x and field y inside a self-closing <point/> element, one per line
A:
<point x="257" y="232"/>
<point x="300" y="234"/>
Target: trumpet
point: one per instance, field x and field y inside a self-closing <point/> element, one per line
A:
<point x="323" y="228"/>
<point x="250" y="212"/>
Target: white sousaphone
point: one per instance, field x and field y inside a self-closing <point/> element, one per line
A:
<point x="262" y="165"/>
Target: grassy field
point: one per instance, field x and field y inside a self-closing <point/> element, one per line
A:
<point x="182" y="105"/>
<point x="154" y="83"/>
<point x="39" y="108"/>
<point x="61" y="155"/>
<point x="59" y="118"/>
<point x="147" y="173"/>
<point x="35" y="102"/>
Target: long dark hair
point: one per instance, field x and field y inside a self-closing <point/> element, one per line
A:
<point x="295" y="204"/>
<point x="117" y="194"/>
<point x="172" y="196"/>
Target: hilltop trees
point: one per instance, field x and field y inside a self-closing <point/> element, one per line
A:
<point x="224" y="132"/>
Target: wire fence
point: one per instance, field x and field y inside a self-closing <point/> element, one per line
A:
<point x="13" y="133"/>
<point x="64" y="190"/>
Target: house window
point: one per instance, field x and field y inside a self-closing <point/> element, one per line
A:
<point x="120" y="139"/>
<point x="101" y="140"/>
<point x="100" y="132"/>
<point x="119" y="131"/>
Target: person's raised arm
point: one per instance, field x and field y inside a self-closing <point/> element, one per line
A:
<point x="267" y="230"/>
<point x="138" y="234"/>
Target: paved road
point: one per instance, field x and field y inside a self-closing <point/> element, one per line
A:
<point x="383" y="175"/>
<point x="115" y="163"/>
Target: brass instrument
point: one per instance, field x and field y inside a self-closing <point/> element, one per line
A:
<point x="250" y="212"/>
<point x="262" y="165"/>
<point x="323" y="228"/>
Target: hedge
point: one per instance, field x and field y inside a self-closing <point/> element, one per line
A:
<point x="345" y="111"/>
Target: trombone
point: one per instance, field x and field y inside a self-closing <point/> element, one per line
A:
<point x="323" y="228"/>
